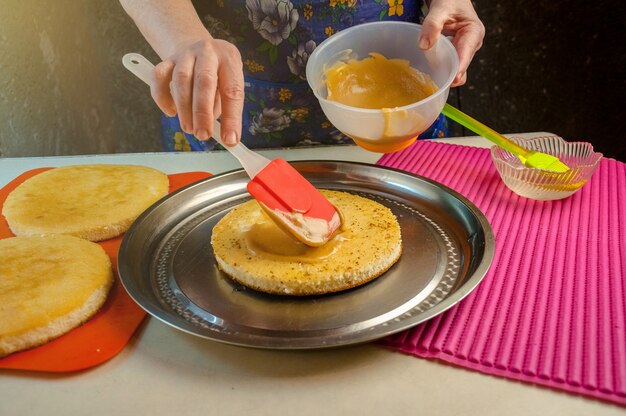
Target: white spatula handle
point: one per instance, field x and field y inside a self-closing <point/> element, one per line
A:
<point x="251" y="161"/>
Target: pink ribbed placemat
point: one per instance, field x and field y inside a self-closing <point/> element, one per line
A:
<point x="552" y="308"/>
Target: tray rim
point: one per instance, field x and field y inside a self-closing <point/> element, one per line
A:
<point x="448" y="302"/>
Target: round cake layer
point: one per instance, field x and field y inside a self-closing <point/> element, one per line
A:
<point x="252" y="250"/>
<point x="48" y="286"/>
<point x="94" y="202"/>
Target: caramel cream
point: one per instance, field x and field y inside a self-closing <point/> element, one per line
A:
<point x="376" y="82"/>
<point x="265" y="239"/>
<point x="312" y="231"/>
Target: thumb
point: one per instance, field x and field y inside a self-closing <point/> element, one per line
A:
<point x="431" y="28"/>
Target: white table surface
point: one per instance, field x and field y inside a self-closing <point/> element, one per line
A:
<point x="164" y="371"/>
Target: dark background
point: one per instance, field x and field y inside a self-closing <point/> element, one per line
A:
<point x="555" y="66"/>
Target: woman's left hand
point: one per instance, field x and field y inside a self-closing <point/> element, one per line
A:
<point x="456" y="18"/>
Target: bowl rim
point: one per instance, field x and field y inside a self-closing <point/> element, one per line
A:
<point x="594" y="157"/>
<point x="443" y="40"/>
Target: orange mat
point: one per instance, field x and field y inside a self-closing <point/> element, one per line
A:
<point x="103" y="336"/>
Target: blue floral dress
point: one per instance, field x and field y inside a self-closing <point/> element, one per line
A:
<point x="275" y="38"/>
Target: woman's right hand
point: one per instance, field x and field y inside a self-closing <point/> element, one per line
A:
<point x="202" y="80"/>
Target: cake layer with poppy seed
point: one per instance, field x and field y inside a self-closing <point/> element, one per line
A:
<point x="255" y="252"/>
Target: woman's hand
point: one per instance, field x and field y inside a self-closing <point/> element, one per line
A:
<point x="455" y="18"/>
<point x="199" y="77"/>
<point x="201" y="81"/>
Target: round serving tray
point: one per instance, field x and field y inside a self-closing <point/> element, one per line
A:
<point x="166" y="263"/>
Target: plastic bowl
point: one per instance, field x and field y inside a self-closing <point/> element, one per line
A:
<point x="546" y="185"/>
<point x="396" y="128"/>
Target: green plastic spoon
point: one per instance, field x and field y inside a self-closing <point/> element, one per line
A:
<point x="529" y="158"/>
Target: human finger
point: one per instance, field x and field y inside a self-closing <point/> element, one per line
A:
<point x="231" y="92"/>
<point x="460" y="79"/>
<point x="205" y="81"/>
<point x="217" y="105"/>
<point x="467" y="42"/>
<point x="432" y="27"/>
<point x="182" y="90"/>
<point x="160" y="87"/>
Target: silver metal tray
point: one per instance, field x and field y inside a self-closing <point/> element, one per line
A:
<point x="167" y="265"/>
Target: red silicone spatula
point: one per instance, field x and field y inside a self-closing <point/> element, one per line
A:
<point x="289" y="199"/>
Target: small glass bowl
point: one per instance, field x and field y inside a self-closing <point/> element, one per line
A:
<point x="546" y="185"/>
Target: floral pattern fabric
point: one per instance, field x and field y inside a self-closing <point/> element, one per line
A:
<point x="275" y="38"/>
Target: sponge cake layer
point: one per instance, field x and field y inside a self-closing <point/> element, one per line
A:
<point x="94" y="202"/>
<point x="48" y="286"/>
<point x="252" y="250"/>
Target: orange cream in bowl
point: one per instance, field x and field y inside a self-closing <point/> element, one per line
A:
<point x="377" y="86"/>
<point x="376" y="82"/>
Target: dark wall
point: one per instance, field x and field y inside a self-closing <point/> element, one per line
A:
<point x="557" y="66"/>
